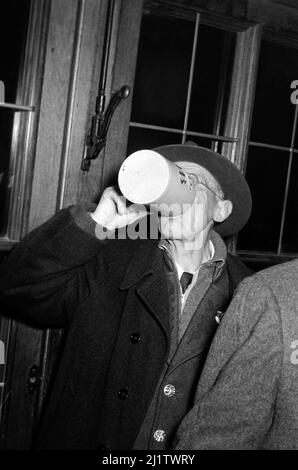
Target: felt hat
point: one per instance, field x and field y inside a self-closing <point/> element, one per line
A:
<point x="233" y="184"/>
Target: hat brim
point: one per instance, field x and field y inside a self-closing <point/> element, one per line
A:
<point x="233" y="184"/>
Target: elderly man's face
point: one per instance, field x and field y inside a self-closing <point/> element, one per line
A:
<point x="207" y="208"/>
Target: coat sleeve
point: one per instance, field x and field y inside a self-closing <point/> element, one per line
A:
<point x="235" y="411"/>
<point x="47" y="273"/>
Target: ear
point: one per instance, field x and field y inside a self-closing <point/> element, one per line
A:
<point x="222" y="211"/>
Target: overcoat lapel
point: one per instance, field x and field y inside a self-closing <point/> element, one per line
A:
<point x="202" y="327"/>
<point x="154" y="293"/>
<point x="223" y="347"/>
<point x="146" y="273"/>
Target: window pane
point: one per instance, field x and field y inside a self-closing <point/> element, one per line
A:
<point x="290" y="235"/>
<point x="14" y="21"/>
<point x="211" y="80"/>
<point x="266" y="175"/>
<point x="163" y="65"/>
<point x="140" y="138"/>
<point x="273" y="111"/>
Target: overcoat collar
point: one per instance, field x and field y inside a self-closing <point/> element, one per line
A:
<point x="146" y="259"/>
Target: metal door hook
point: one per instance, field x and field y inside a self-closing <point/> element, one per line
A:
<point x="96" y="139"/>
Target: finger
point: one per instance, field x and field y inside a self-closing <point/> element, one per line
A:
<point x="118" y="199"/>
<point x="134" y="216"/>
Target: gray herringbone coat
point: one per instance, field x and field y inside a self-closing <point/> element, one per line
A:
<point x="247" y="396"/>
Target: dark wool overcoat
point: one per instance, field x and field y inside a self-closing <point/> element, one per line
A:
<point x="113" y="299"/>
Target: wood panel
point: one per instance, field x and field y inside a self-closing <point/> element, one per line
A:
<point x="25" y="124"/>
<point x="20" y="405"/>
<point x="279" y="15"/>
<point x="122" y="73"/>
<point x="75" y="184"/>
<point x="242" y="94"/>
<point x="53" y="109"/>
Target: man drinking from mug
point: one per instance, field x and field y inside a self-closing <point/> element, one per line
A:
<point x="140" y="314"/>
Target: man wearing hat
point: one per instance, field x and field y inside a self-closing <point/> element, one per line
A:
<point x="140" y="314"/>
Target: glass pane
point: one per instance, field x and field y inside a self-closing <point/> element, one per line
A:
<point x="211" y="80"/>
<point x="273" y="111"/>
<point x="14" y="21"/>
<point x="163" y="65"/>
<point x="266" y="174"/>
<point x="140" y="138"/>
<point x="290" y="235"/>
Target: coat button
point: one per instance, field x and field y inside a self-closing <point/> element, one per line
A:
<point x="123" y="394"/>
<point x="159" y="435"/>
<point x="135" y="337"/>
<point x="169" y="390"/>
<point x="219" y="316"/>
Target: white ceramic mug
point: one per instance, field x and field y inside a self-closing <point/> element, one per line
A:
<point x="146" y="177"/>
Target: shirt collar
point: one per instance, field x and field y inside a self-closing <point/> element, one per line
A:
<point x="180" y="270"/>
<point x="218" y="253"/>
